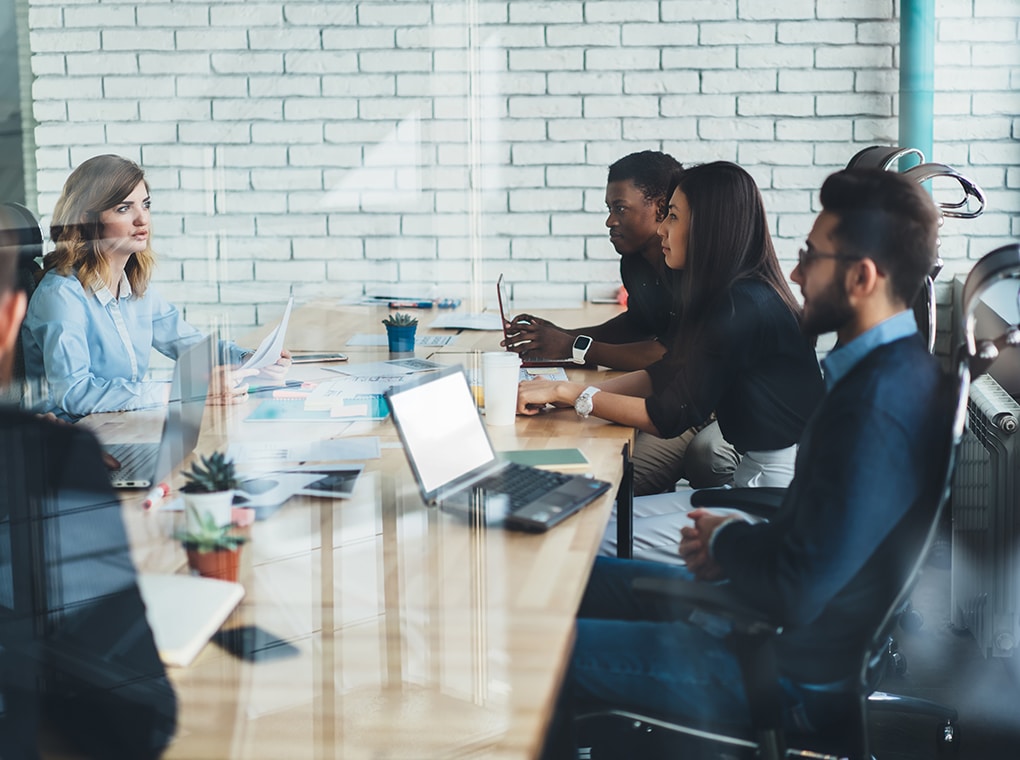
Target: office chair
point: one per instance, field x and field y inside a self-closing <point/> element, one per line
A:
<point x="23" y="233"/>
<point x="753" y="634"/>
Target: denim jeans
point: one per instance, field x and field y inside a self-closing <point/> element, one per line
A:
<point x="624" y="655"/>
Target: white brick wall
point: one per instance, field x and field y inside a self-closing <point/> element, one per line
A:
<point x="321" y="148"/>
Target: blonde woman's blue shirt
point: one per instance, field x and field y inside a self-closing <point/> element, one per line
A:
<point x="93" y="348"/>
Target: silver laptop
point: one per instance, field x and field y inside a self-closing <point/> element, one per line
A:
<point x="503" y="296"/>
<point x="455" y="465"/>
<point x="144" y="464"/>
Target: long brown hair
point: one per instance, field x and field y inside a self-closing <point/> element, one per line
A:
<point x="97" y="185"/>
<point x="729" y="241"/>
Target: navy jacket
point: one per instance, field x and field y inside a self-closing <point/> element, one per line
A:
<point x="868" y="474"/>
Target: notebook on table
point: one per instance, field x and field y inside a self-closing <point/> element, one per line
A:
<point x="144" y="464"/>
<point x="455" y="465"/>
<point x="184" y="611"/>
<point x="504" y="303"/>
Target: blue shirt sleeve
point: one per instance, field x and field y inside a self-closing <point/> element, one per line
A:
<point x="93" y="351"/>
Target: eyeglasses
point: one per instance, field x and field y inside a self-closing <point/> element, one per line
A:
<point x="806" y="255"/>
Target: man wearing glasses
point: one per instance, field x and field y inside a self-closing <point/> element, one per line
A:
<point x="830" y="562"/>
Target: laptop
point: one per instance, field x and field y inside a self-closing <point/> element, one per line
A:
<point x="455" y="465"/>
<point x="144" y="464"/>
<point x="504" y="302"/>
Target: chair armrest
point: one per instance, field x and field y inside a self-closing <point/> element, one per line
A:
<point x="685" y="598"/>
<point x="762" y="502"/>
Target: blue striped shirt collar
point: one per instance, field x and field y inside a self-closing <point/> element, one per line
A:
<point x="840" y="361"/>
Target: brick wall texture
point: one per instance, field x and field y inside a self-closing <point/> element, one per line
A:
<point x="327" y="149"/>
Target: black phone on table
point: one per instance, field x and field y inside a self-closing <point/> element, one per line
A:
<point x="254" y="644"/>
<point x="315" y="358"/>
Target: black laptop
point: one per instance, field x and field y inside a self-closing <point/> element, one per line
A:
<point x="454" y="463"/>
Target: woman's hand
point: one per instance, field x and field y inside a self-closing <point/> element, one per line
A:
<point x="278" y="371"/>
<point x="534" y="395"/>
<point x="227" y="385"/>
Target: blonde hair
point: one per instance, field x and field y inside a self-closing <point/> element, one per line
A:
<point x="97" y="185"/>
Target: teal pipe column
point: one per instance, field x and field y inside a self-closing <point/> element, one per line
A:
<point x="917" y="78"/>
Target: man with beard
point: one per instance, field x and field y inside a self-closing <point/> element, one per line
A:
<point x="866" y="481"/>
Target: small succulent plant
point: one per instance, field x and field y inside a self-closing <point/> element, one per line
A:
<point x="400" y="319"/>
<point x="211" y="474"/>
<point x="209" y="536"/>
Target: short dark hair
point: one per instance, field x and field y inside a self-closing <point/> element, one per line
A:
<point x="887" y="218"/>
<point x="652" y="172"/>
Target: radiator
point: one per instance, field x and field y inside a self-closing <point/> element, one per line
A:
<point x="985" y="593"/>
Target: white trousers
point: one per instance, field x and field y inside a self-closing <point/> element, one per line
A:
<point x="658" y="518"/>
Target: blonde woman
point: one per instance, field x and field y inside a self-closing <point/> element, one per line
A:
<point x="95" y="317"/>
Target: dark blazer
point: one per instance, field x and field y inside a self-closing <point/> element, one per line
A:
<point x="77" y="653"/>
<point x="867" y="478"/>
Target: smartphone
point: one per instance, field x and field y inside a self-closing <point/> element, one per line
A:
<point x="254" y="644"/>
<point x="315" y="358"/>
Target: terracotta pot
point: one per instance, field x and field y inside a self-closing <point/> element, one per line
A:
<point x="220" y="563"/>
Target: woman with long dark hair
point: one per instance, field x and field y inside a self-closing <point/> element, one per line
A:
<point x="739" y="350"/>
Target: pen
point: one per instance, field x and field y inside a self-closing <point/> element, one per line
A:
<point x="155" y="496"/>
<point x="411" y="304"/>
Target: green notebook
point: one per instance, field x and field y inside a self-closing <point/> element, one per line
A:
<point x="549" y="459"/>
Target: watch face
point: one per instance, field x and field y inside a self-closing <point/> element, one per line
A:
<point x="583" y="343"/>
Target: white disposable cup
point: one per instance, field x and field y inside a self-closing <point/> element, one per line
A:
<point x="500" y="374"/>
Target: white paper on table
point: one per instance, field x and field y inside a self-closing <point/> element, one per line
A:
<point x="269" y="349"/>
<point x="262" y="453"/>
<point x="395" y="368"/>
<point x="488" y="320"/>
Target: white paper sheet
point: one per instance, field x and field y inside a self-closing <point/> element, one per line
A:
<point x="269" y="349"/>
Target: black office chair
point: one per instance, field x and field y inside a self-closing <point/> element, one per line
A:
<point x="752" y="633"/>
<point x="24" y="234"/>
<point x="969" y="206"/>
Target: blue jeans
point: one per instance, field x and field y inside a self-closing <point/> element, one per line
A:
<point x="626" y="655"/>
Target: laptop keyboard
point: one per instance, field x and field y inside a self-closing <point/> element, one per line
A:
<point x="137" y="460"/>
<point x="522" y="484"/>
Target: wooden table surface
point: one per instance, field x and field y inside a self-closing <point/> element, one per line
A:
<point x="417" y="635"/>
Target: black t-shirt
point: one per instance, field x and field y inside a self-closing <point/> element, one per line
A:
<point x="752" y="366"/>
<point x="650" y="297"/>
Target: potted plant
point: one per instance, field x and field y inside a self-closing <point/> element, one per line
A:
<point x="213" y="550"/>
<point x="209" y="490"/>
<point x="400" y="330"/>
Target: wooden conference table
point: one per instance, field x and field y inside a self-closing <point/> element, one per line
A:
<point x="417" y="636"/>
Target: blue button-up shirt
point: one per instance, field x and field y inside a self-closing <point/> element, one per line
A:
<point x="93" y="347"/>
<point x="841" y="360"/>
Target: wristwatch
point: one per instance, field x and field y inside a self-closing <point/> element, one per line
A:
<point x="581" y="345"/>
<point x="583" y="404"/>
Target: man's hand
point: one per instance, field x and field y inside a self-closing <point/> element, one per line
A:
<point x="695" y="542"/>
<point x="533" y="336"/>
<point x="109" y="460"/>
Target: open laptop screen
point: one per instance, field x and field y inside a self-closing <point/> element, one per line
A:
<point x="441" y="429"/>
